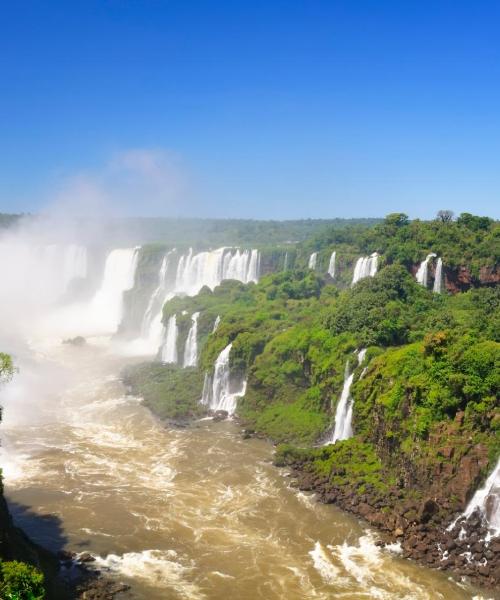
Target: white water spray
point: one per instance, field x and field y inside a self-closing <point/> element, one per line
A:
<point x="313" y="261"/>
<point x="105" y="311"/>
<point x="220" y="391"/>
<point x="422" y="273"/>
<point x="487" y="501"/>
<point x="191" y="348"/>
<point x="343" y="413"/>
<point x="191" y="272"/>
<point x="438" y="279"/>
<point x="366" y="266"/>
<point x="331" y="265"/>
<point x="169" y="349"/>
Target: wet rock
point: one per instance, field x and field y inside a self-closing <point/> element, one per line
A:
<point x="86" y="557"/>
<point x="220" y="415"/>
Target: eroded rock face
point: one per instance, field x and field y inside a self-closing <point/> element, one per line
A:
<point x="460" y="279"/>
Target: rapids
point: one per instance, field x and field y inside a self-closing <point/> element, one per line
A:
<point x="196" y="513"/>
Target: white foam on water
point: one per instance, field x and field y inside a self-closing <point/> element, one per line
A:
<point x="365" y="569"/>
<point x="158" y="567"/>
<point x="323" y="564"/>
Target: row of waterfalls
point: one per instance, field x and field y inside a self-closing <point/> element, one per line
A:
<point x="366" y="266"/>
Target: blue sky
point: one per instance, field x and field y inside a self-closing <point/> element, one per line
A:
<point x="263" y="109"/>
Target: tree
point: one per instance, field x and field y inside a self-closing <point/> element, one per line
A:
<point x="474" y="223"/>
<point x="445" y="216"/>
<point x="6" y="367"/>
<point x="397" y="219"/>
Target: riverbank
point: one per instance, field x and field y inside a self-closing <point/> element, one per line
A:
<point x="419" y="526"/>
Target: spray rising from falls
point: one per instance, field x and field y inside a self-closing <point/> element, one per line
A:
<point x="422" y="273"/>
<point x="366" y="266"/>
<point x="438" y="279"/>
<point x="313" y="261"/>
<point x="46" y="270"/>
<point x="343" y="413"/>
<point x="220" y="390"/>
<point x="191" y="349"/>
<point x="331" y="265"/>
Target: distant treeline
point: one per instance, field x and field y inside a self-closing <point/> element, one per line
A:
<point x="231" y="232"/>
<point x="6" y="220"/>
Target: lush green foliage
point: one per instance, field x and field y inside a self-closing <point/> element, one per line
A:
<point x="470" y="241"/>
<point x="6" y="366"/>
<point x="350" y="462"/>
<point x="19" y="581"/>
<point x="171" y="392"/>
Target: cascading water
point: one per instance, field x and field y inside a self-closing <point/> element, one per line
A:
<point x="331" y="265"/>
<point x="216" y="324"/>
<point x="486" y="500"/>
<point x="220" y="391"/>
<point x="313" y="260"/>
<point x="192" y="273"/>
<point x="422" y="273"/>
<point x="157" y="296"/>
<point x="366" y="266"/>
<point x="343" y="414"/>
<point x="169" y="349"/>
<point x="438" y="278"/>
<point x="191" y="348"/>
<point x="105" y="311"/>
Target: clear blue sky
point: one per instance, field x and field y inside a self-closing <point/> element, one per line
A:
<point x="269" y="109"/>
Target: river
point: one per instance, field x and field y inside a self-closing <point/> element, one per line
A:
<point x="195" y="513"/>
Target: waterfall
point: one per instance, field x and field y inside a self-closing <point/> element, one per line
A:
<point x="343" y="413"/>
<point x="219" y="391"/>
<point x="366" y="266"/>
<point x="186" y="274"/>
<point x="487" y="501"/>
<point x="156" y="297"/>
<point x="169" y="349"/>
<point x="216" y="324"/>
<point x="438" y="279"/>
<point x="106" y="307"/>
<point x="421" y="275"/>
<point x="313" y="259"/>
<point x="191" y="348"/>
<point x="331" y="265"/>
<point x="285" y="262"/>
<point x="195" y="271"/>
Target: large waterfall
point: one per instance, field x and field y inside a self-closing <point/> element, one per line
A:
<point x="105" y="311"/>
<point x="422" y="273"/>
<point x="169" y="348"/>
<point x="191" y="348"/>
<point x="313" y="260"/>
<point x="331" y="265"/>
<point x="186" y="274"/>
<point x="220" y="391"/>
<point x="438" y="278"/>
<point x="366" y="266"/>
<point x="343" y="413"/>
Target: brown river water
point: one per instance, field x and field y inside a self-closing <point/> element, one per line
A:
<point x="196" y="513"/>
